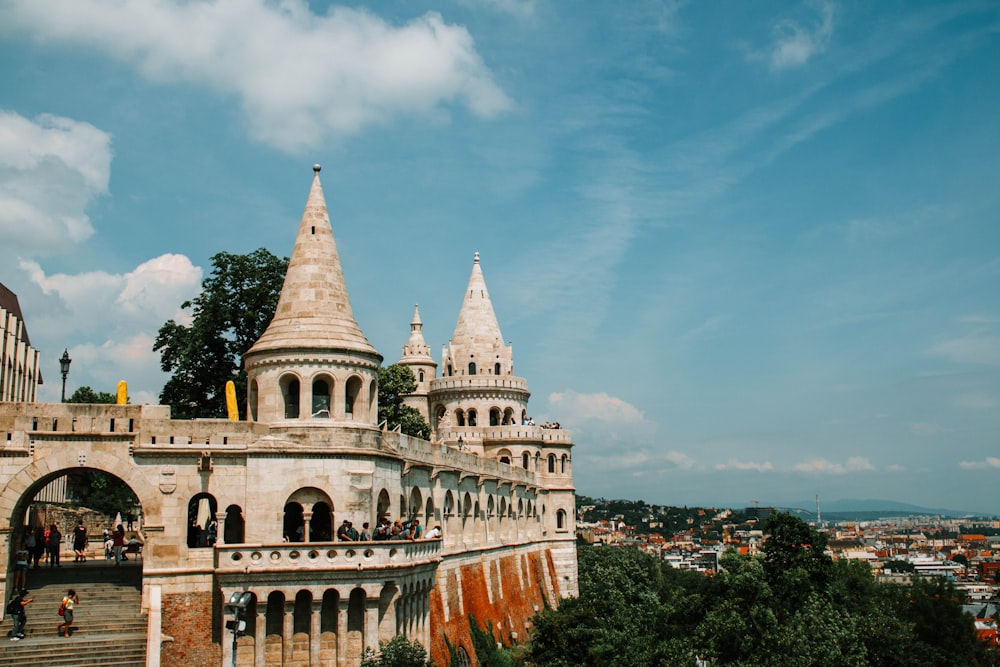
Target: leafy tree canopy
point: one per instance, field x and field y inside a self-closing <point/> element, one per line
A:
<point x="104" y="493"/>
<point x="87" y="395"/>
<point x="394" y="382"/>
<point x="397" y="652"/>
<point x="236" y="304"/>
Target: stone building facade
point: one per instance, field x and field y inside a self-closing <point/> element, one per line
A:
<point x="19" y="374"/>
<point x="309" y="454"/>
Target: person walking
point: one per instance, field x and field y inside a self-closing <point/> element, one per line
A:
<point x="119" y="543"/>
<point x="21" y="559"/>
<point x="80" y="542"/>
<point x="16" y="610"/>
<point x="36" y="555"/>
<point x="66" y="611"/>
<point x="54" y="544"/>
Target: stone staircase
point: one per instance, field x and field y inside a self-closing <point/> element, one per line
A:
<point x="108" y="629"/>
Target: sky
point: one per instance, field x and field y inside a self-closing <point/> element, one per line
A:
<point x="745" y="252"/>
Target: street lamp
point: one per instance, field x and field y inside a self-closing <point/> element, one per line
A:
<point x="64" y="362"/>
<point x="238" y="605"/>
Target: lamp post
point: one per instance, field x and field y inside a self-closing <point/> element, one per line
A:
<point x="64" y="362"/>
<point x="237" y="605"/>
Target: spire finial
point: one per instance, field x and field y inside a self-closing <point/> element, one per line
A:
<point x="475" y="258"/>
<point x="316" y="167"/>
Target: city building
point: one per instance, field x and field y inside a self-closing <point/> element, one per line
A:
<point x="19" y="373"/>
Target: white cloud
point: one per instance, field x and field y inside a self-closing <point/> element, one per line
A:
<point x="990" y="462"/>
<point x="972" y="349"/>
<point x="600" y="407"/>
<point x="795" y="44"/>
<point x="51" y="169"/>
<point x="523" y="9"/>
<point x="300" y="77"/>
<point x="853" y="464"/>
<point x="734" y="464"/>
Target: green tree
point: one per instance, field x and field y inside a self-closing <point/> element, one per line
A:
<point x="236" y="304"/>
<point x="87" y="395"/>
<point x="394" y="382"/>
<point x="397" y="652"/>
<point x="99" y="491"/>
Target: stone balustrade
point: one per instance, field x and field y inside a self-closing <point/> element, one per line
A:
<point x="325" y="556"/>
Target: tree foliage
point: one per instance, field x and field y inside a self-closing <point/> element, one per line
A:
<point x="236" y="304"/>
<point x="790" y="606"/>
<point x="101" y="492"/>
<point x="397" y="652"/>
<point x="394" y="382"/>
<point x="87" y="395"/>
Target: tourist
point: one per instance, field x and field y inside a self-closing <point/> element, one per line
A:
<point x="415" y="530"/>
<point x="21" y="559"/>
<point x="213" y="532"/>
<point x="80" y="542"/>
<point x="397" y="531"/>
<point x="119" y="543"/>
<point x="194" y="534"/>
<point x="16" y="611"/>
<point x="434" y="533"/>
<point x="40" y="535"/>
<point x="67" y="606"/>
<point x="54" y="544"/>
<point x="344" y="532"/>
<point x="366" y="535"/>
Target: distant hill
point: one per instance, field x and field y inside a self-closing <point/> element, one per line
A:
<point x="858" y="509"/>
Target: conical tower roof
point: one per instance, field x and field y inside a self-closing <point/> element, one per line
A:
<point x="477" y="325"/>
<point x="314" y="311"/>
<point x="416" y="349"/>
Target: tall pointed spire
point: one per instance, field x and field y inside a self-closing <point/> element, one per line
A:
<point x="477" y="323"/>
<point x="314" y="310"/>
<point x="416" y="348"/>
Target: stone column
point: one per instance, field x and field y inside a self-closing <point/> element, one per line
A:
<point x="220" y="528"/>
<point x="314" y="630"/>
<point x="260" y="632"/>
<point x="371" y="621"/>
<point x="287" y="632"/>
<point x="227" y="635"/>
<point x="307" y="527"/>
<point x="342" y="606"/>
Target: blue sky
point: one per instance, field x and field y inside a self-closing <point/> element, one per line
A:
<point x="745" y="251"/>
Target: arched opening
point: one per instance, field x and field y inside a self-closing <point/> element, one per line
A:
<point x="328" y="621"/>
<point x="252" y="399"/>
<point x="274" y="621"/>
<point x="562" y="464"/>
<point x="321" y="391"/>
<point x="471" y="416"/>
<point x="416" y="504"/>
<point x="235" y="529"/>
<point x="429" y="513"/>
<point x="561" y="520"/>
<point x="496" y="368"/>
<point x="352" y="391"/>
<point x="460" y="417"/>
<point x="449" y="504"/>
<point x="356" y="618"/>
<point x="382" y="507"/>
<point x="472" y="368"/>
<point x="508" y="417"/>
<point x="552" y="463"/>
<point x="302" y="614"/>
<point x="293" y="527"/>
<point x="420" y="376"/>
<point x="201" y="515"/>
<point x="504" y="456"/>
<point x="290" y="396"/>
<point x="524" y="460"/>
<point x="439" y="415"/>
<point x="494" y="416"/>
<point x="321" y="523"/>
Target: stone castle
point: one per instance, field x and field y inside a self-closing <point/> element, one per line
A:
<point x="310" y="454"/>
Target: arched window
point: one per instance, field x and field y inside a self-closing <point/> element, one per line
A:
<point x="293" y="526"/>
<point x="321" y="523"/>
<point x="235" y="527"/>
<point x="421" y="374"/>
<point x="460" y="417"/>
<point x="508" y="417"/>
<point x="561" y="520"/>
<point x="562" y="464"/>
<point x="496" y="368"/>
<point x="321" y="399"/>
<point x="201" y="516"/>
<point x="524" y="460"/>
<point x="552" y="463"/>
<point x="472" y="417"/>
<point x="429" y="514"/>
<point x="472" y="368"/>
<point x="494" y="416"/>
<point x="504" y="456"/>
<point x="383" y="509"/>
<point x="252" y="393"/>
<point x="351" y="391"/>
<point x="416" y="504"/>
<point x="449" y="504"/>
<point x="290" y="396"/>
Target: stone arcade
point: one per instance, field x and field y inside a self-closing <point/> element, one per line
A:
<point x="310" y="454"/>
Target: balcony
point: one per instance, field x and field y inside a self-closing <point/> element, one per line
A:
<point x="325" y="556"/>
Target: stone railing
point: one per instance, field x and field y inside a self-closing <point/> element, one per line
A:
<point x="493" y="382"/>
<point x="325" y="556"/>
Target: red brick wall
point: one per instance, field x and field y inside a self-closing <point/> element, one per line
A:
<point x="512" y="611"/>
<point x="188" y="618"/>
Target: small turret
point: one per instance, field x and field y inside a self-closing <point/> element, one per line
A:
<point x="417" y="355"/>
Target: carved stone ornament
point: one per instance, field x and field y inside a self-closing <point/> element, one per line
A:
<point x="168" y="479"/>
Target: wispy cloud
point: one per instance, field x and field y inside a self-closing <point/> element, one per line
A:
<point x="989" y="463"/>
<point x="796" y="43"/>
<point x="979" y="401"/>
<point x="972" y="349"/>
<point x="300" y="77"/>
<point x="823" y="466"/>
<point x="599" y="407"/>
<point x="734" y="464"/>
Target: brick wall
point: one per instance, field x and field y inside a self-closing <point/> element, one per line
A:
<point x="189" y="618"/>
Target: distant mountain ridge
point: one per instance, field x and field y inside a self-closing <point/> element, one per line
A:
<point x="871" y="508"/>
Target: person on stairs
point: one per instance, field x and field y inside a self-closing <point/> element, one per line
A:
<point x="17" y="615"/>
<point x="68" y="604"/>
